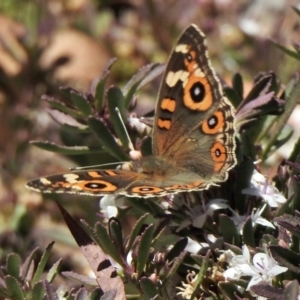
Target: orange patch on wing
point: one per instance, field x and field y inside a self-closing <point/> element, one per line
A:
<point x="61" y="184"/>
<point x="190" y="64"/>
<point x="164" y="124"/>
<point x="168" y="104"/>
<point x="146" y="189"/>
<point x="206" y="102"/>
<point x="110" y="173"/>
<point x="96" y="186"/>
<point x="214" y="128"/>
<point x="219" y="155"/>
<point x="94" y="174"/>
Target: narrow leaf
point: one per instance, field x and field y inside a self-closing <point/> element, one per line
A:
<point x="53" y="271"/>
<point x="144" y="248"/>
<point x="96" y="294"/>
<point x="287" y="51"/>
<point x="135" y="232"/>
<point x="286" y="258"/>
<point x="100" y="87"/>
<point x="134" y="83"/>
<point x="42" y="263"/>
<point x="149" y="289"/>
<point x="81" y="103"/>
<point x="228" y="230"/>
<point x="14" y="288"/>
<point x="105" y="242"/>
<point x="177" y="249"/>
<point x="115" y="233"/>
<point x="80" y="278"/>
<point x="237" y="84"/>
<point x="248" y="233"/>
<point x="115" y="100"/>
<point x="62" y="107"/>
<point x="106" y="138"/>
<point x="38" y="291"/>
<point x="74" y="150"/>
<point x="13" y="263"/>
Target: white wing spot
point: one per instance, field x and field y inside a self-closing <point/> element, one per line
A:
<point x="183" y="48"/>
<point x="71" y="178"/>
<point x="199" y="73"/>
<point x="45" y="181"/>
<point x="173" y="77"/>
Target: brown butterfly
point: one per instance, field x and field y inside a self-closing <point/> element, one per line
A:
<point x="193" y="135"/>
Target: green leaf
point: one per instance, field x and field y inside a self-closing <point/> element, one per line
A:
<point x="14" y="288"/>
<point x="96" y="294"/>
<point x="248" y="233"/>
<point x="38" y="291"/>
<point x="177" y="249"/>
<point x="149" y="289"/>
<point x="201" y="275"/>
<point x="100" y="87"/>
<point x="106" y="244"/>
<point x="144" y="248"/>
<point x="292" y="96"/>
<point x="229" y="290"/>
<point x="136" y="80"/>
<point x="228" y="230"/>
<point x="13" y="263"/>
<point x="81" y="103"/>
<point x="74" y="150"/>
<point x="106" y="139"/>
<point x="42" y="263"/>
<point x="115" y="233"/>
<point x="175" y="265"/>
<point x="115" y="100"/>
<point x="295" y="151"/>
<point x="62" y="107"/>
<point x="26" y="267"/>
<point x="237" y="84"/>
<point x="146" y="146"/>
<point x="286" y="258"/>
<point x="53" y="271"/>
<point x="287" y="51"/>
<point x="80" y="278"/>
<point x="135" y="232"/>
<point x="4" y="293"/>
<point x="232" y="95"/>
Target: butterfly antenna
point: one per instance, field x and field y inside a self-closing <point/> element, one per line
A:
<point x="130" y="145"/>
<point x="97" y="166"/>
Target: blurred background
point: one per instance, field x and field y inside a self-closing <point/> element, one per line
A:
<point x="48" y="44"/>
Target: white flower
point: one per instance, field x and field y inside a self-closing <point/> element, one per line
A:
<point x="194" y="247"/>
<point x="263" y="267"/>
<point x="265" y="190"/>
<point x="257" y="219"/>
<point x="109" y="205"/>
<point x="238" y="220"/>
<point x="199" y="213"/>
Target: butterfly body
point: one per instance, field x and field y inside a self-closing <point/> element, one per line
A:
<point x="193" y="135"/>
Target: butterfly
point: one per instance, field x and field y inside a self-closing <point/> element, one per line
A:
<point x="193" y="139"/>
